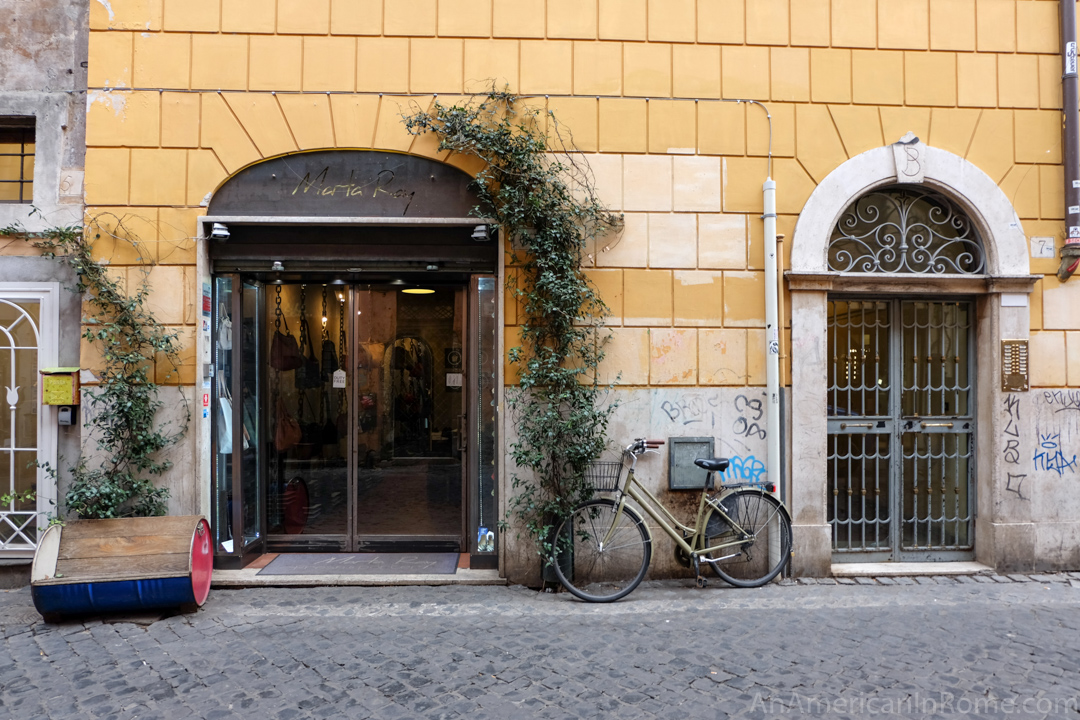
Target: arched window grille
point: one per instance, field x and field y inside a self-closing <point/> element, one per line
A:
<point x="905" y="229"/>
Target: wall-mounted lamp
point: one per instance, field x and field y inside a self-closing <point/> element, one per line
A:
<point x="480" y="233"/>
<point x="219" y="232"/>
<point x="433" y="266"/>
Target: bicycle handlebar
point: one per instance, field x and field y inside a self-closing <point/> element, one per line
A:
<point x="641" y="445"/>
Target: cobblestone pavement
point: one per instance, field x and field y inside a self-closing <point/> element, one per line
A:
<point x="988" y="646"/>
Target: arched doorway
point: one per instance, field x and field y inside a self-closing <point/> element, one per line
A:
<point x="900" y="256"/>
<point x="901" y="373"/>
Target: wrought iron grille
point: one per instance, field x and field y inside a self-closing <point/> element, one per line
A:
<point x="937" y="423"/>
<point x="901" y="425"/>
<point x="905" y="229"/>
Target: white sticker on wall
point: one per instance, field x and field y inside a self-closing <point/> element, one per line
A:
<point x="453" y="380"/>
<point x="1014" y="299"/>
<point x="1042" y="247"/>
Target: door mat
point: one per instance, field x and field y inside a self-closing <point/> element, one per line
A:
<point x="362" y="564"/>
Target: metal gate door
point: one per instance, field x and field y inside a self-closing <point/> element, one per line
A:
<point x="901" y="429"/>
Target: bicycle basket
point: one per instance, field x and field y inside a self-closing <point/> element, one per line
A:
<point x="603" y="475"/>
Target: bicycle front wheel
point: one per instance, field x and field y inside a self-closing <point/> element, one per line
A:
<point x="602" y="553"/>
<point x="757" y="535"/>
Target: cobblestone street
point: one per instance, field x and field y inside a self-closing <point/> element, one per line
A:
<point x="985" y="646"/>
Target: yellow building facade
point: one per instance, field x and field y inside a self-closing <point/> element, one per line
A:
<point x="184" y="95"/>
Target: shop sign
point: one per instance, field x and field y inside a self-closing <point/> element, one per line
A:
<point x="347" y="183"/>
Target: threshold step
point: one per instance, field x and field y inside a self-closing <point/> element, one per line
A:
<point x="903" y="569"/>
<point x="249" y="577"/>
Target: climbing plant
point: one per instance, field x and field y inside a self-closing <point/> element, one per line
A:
<point x="541" y="193"/>
<point x="117" y="478"/>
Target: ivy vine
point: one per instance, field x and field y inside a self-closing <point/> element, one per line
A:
<point x="117" y="480"/>
<point x="541" y="193"/>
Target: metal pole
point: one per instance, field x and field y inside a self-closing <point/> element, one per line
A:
<point x="772" y="336"/>
<point x="1070" y="252"/>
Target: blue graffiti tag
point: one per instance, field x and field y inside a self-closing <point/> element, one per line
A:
<point x="744" y="468"/>
<point x="1050" y="456"/>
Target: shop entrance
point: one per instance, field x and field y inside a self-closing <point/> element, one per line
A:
<point x="362" y="393"/>
<point x="351" y="343"/>
<point x="379" y="459"/>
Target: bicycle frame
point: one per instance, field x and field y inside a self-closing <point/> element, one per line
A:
<point x="670" y="524"/>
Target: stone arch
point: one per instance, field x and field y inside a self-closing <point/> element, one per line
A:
<point x="347" y="182"/>
<point x="239" y="130"/>
<point x="976" y="193"/>
<point x="810" y="281"/>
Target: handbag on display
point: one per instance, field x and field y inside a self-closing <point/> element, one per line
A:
<point x="224" y="329"/>
<point x="284" y="350"/>
<point x="307" y="375"/>
<point x="329" y="359"/>
<point x="310" y="432"/>
<point x="287" y="431"/>
<point x="224" y="427"/>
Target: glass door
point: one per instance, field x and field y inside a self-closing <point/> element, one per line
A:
<point x="351" y="418"/>
<point x="410" y="424"/>
<point x="237" y="426"/>
<point x="307" y="457"/>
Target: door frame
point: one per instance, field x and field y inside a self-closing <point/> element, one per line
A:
<point x="204" y="344"/>
<point x="352" y="540"/>
<point x="1004" y="533"/>
<point x="47" y="294"/>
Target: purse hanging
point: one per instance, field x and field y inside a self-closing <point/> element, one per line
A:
<point x="224" y="426"/>
<point x="329" y="358"/>
<point x="224" y="328"/>
<point x="284" y="351"/>
<point x="307" y="375"/>
<point x="287" y="430"/>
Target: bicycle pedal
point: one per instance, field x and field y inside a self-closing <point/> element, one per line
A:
<point x="702" y="581"/>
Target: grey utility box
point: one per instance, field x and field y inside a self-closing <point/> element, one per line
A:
<point x="683" y="474"/>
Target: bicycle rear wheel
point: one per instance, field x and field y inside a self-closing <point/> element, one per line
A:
<point x="603" y="555"/>
<point x="765" y="531"/>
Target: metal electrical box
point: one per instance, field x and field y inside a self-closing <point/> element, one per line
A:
<point x="60" y="386"/>
<point x="683" y="474"/>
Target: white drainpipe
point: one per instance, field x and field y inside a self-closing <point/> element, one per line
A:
<point x="772" y="337"/>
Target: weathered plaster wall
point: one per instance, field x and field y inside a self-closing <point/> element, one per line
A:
<point x="43" y="53"/>
<point x="1039" y="447"/>
<point x="733" y="417"/>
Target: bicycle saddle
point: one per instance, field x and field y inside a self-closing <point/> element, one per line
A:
<point x="713" y="464"/>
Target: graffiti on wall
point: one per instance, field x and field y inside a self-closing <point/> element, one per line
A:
<point x="734" y="416"/>
<point x="1049" y="457"/>
<point x="744" y="469"/>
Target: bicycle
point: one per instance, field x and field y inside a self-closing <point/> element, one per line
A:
<point x="604" y="547"/>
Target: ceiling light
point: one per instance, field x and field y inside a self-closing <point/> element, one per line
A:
<point x="418" y="291"/>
